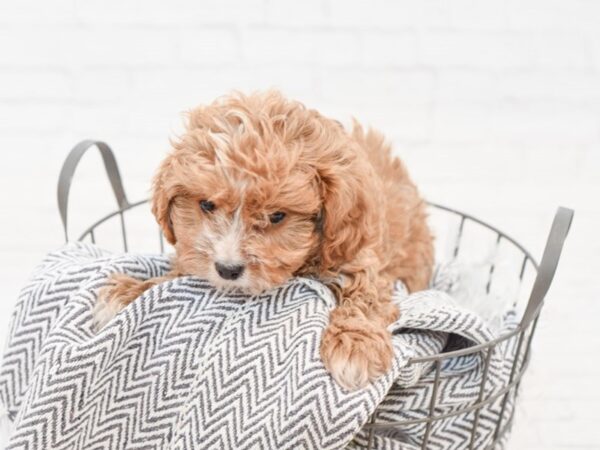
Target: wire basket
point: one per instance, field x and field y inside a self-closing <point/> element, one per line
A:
<point x="530" y="300"/>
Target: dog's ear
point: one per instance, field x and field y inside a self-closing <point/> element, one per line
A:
<point x="347" y="210"/>
<point x="162" y="198"/>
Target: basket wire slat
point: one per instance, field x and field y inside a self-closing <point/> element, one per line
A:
<point x="510" y="382"/>
<point x="488" y="285"/>
<point x="434" y="395"/>
<point x="459" y="236"/>
<point x="523" y="266"/>
<point x="486" y="367"/>
<point x="161" y="240"/>
<point x="523" y="333"/>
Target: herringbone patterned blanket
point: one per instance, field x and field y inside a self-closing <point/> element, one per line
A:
<point x="188" y="367"/>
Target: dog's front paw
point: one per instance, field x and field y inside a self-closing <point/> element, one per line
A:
<point x="112" y="298"/>
<point x="355" y="356"/>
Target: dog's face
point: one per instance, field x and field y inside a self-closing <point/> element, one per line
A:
<point x="249" y="232"/>
<point x="243" y="193"/>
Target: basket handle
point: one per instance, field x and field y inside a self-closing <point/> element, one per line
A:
<point x="68" y="169"/>
<point x="547" y="268"/>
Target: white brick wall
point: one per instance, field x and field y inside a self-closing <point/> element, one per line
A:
<point x="495" y="106"/>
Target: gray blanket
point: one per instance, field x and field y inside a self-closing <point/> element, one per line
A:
<point x="188" y="367"/>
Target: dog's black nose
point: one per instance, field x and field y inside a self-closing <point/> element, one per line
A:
<point x="229" y="272"/>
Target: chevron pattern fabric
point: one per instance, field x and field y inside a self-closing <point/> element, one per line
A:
<point x="186" y="366"/>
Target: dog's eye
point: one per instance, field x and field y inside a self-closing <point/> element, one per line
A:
<point x="207" y="205"/>
<point x="277" y="217"/>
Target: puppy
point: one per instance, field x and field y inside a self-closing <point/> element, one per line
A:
<point x="260" y="189"/>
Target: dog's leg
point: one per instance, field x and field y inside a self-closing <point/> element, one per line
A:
<point x="356" y="346"/>
<point x="120" y="291"/>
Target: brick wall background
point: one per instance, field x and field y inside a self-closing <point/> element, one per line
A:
<point x="494" y="105"/>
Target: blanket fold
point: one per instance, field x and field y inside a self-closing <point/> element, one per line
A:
<point x="188" y="367"/>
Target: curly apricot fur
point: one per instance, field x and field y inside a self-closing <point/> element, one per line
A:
<point x="353" y="216"/>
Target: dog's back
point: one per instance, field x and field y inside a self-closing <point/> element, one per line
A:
<point x="408" y="248"/>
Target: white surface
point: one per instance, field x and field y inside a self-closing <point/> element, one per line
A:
<point x="494" y="105"/>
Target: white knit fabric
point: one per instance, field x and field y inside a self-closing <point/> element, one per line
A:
<point x="187" y="367"/>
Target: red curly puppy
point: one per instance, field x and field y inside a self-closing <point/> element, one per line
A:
<point x="260" y="189"/>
